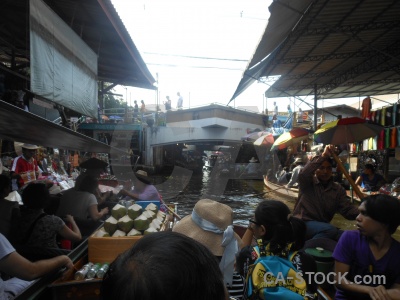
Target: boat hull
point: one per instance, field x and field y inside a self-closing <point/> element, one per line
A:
<point x="289" y="193"/>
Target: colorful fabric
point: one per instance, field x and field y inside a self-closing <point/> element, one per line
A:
<point x="353" y="250"/>
<point x="388" y="116"/>
<point x="366" y="107"/>
<point x="381" y="140"/>
<point x="393" y="137"/>
<point x="383" y="116"/>
<point x="387" y="138"/>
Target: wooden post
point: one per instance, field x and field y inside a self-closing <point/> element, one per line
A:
<point x="344" y="171"/>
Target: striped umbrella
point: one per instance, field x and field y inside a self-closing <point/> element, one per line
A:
<point x="346" y="130"/>
<point x="292" y="137"/>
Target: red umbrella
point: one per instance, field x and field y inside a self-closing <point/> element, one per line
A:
<point x="291" y="137"/>
<point x="266" y="140"/>
<point x="346" y="130"/>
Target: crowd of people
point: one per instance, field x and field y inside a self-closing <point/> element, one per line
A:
<point x="203" y="257"/>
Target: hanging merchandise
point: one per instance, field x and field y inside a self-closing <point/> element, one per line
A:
<point x="366" y="107"/>
<point x="393" y="137"/>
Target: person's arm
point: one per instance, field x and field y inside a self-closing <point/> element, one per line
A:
<point x="101" y="197"/>
<point x="378" y="292"/>
<point x="247" y="237"/>
<point x="345" y="207"/>
<point x="133" y="195"/>
<point x="73" y="234"/>
<point x="358" y="182"/>
<point x="18" y="266"/>
<point x="95" y="214"/>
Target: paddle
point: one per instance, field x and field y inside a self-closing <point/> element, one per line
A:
<point x="266" y="192"/>
<point x="344" y="171"/>
<point x="173" y="212"/>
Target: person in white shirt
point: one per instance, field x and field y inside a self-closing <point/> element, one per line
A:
<point x="295" y="172"/>
<point x="180" y="101"/>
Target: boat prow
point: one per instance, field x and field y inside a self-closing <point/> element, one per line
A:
<point x="289" y="193"/>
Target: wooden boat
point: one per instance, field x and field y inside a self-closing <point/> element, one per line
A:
<point x="289" y="193"/>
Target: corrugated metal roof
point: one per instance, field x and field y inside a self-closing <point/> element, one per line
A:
<point x="338" y="48"/>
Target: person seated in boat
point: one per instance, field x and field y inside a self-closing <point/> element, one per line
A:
<point x="9" y="210"/>
<point x="94" y="167"/>
<point x="298" y="162"/>
<point x="281" y="234"/>
<point x="284" y="176"/>
<point x="211" y="224"/>
<point x="24" y="168"/>
<point x="164" y="265"/>
<point x="22" y="271"/>
<point x="369" y="180"/>
<point x="370" y="252"/>
<point x="80" y="202"/>
<point x="143" y="189"/>
<point x="252" y="167"/>
<point x="38" y="230"/>
<point x="320" y="198"/>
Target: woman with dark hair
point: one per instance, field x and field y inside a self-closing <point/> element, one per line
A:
<point x="280" y="234"/>
<point x="81" y="201"/>
<point x="367" y="260"/>
<point x="36" y="228"/>
<point x="369" y="180"/>
<point x="164" y="265"/>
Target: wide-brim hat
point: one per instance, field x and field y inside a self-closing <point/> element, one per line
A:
<point x="298" y="160"/>
<point x="221" y="215"/>
<point x="142" y="176"/>
<point x="253" y="159"/>
<point x="29" y="146"/>
<point x="93" y="163"/>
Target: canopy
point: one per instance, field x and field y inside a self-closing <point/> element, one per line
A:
<point x="331" y="49"/>
<point x="19" y="125"/>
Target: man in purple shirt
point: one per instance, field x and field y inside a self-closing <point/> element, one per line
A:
<point x="320" y="198"/>
<point x="367" y="261"/>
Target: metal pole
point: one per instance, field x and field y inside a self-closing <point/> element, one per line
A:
<point x="315" y="107"/>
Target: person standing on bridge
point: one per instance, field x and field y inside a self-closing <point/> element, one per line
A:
<point x="275" y="109"/>
<point x="180" y="101"/>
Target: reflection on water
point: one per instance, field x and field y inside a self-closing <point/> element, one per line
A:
<point x="241" y="195"/>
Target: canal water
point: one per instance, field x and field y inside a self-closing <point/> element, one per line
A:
<point x="241" y="195"/>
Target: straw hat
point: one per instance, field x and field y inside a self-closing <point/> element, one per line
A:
<point x="142" y="176"/>
<point x="298" y="160"/>
<point x="29" y="147"/>
<point x="218" y="214"/>
<point x="253" y="159"/>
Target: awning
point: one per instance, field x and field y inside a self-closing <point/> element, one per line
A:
<point x="22" y="126"/>
<point x="328" y="49"/>
<point x="280" y="23"/>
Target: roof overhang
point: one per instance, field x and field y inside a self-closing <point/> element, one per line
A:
<point x="19" y="125"/>
<point x="95" y="21"/>
<point x="329" y="49"/>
